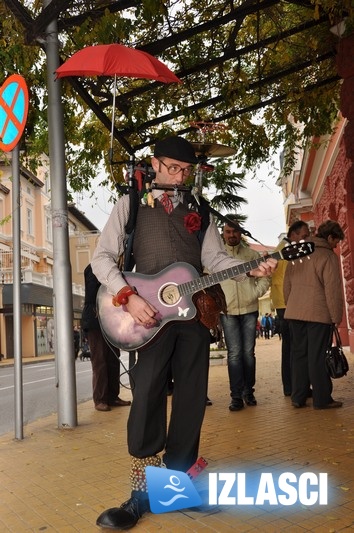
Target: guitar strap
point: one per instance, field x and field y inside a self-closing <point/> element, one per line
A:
<point x="136" y="189"/>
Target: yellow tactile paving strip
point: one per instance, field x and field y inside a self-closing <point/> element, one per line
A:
<point x="60" y="480"/>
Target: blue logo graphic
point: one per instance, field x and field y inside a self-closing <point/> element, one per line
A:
<point x="170" y="490"/>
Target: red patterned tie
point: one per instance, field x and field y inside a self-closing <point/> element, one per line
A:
<point x="166" y="202"/>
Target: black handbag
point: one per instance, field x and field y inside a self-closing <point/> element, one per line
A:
<point x="336" y="362"/>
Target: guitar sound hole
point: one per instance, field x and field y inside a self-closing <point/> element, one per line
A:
<point x="169" y="295"/>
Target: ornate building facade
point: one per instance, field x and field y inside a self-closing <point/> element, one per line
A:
<point x="322" y="185"/>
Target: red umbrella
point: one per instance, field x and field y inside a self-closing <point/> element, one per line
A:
<point x="116" y="59"/>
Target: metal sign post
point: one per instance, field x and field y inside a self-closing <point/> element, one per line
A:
<point x="13" y="116"/>
<point x="16" y="238"/>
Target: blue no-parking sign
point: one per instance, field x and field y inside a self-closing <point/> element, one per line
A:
<point x="13" y="111"/>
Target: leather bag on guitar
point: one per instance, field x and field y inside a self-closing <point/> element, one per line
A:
<point x="210" y="302"/>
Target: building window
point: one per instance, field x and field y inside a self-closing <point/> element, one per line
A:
<point x="29" y="221"/>
<point x="1" y="209"/>
<point x="83" y="259"/>
<point x="46" y="179"/>
<point x="49" y="229"/>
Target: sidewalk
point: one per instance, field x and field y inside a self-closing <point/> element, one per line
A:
<point x="27" y="360"/>
<point x="61" y="480"/>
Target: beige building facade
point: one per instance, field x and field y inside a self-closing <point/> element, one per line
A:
<point x="38" y="324"/>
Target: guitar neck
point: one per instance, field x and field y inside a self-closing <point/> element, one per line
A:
<point x="195" y="285"/>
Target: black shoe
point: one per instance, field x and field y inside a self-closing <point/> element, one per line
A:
<point x="332" y="405"/>
<point x="208" y="401"/>
<point x="287" y="393"/>
<point x="236" y="405"/>
<point x="298" y="405"/>
<point x="118" y="402"/>
<point x="125" y="516"/>
<point x="250" y="400"/>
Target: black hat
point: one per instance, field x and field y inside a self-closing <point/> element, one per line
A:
<point x="176" y="148"/>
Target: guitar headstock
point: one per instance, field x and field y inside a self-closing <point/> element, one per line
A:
<point x="297" y="250"/>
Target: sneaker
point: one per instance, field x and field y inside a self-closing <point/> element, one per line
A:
<point x="236" y="405"/>
<point x="250" y="400"/>
<point x="125" y="516"/>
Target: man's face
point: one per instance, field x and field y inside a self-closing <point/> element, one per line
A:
<point x="302" y="234"/>
<point x="232" y="236"/>
<point x="333" y="241"/>
<point x="171" y="171"/>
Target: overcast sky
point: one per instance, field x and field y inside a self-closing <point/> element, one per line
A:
<point x="265" y="211"/>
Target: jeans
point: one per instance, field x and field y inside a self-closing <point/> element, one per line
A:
<point x="240" y="338"/>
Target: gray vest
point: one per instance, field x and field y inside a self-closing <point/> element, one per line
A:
<point x="161" y="239"/>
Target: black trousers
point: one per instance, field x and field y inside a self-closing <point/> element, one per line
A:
<point x="285" y="352"/>
<point x="309" y="341"/>
<point x="105" y="369"/>
<point x="184" y="349"/>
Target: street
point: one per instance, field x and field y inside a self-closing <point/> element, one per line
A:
<point x="39" y="390"/>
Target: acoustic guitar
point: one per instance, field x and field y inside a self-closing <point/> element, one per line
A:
<point x="170" y="292"/>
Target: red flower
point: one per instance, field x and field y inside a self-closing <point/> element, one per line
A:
<point x="192" y="222"/>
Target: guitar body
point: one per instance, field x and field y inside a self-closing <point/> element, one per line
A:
<point x="161" y="291"/>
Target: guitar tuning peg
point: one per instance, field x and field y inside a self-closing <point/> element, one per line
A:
<point x="308" y="257"/>
<point x="293" y="262"/>
<point x="300" y="260"/>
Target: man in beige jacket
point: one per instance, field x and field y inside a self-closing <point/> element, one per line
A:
<point x="239" y="325"/>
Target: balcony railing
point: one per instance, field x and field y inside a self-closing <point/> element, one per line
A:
<point x="37" y="278"/>
<point x="28" y="256"/>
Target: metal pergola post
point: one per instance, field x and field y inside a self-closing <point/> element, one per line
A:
<point x="62" y="281"/>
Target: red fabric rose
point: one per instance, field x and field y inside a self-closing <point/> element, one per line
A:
<point x="192" y="222"/>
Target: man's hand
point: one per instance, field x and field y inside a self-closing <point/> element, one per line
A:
<point x="142" y="312"/>
<point x="265" y="268"/>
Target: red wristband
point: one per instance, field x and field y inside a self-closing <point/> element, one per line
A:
<point x="122" y="297"/>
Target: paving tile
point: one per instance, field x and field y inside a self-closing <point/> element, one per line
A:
<point x="57" y="480"/>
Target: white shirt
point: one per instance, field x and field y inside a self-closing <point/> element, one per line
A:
<point x="111" y="246"/>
